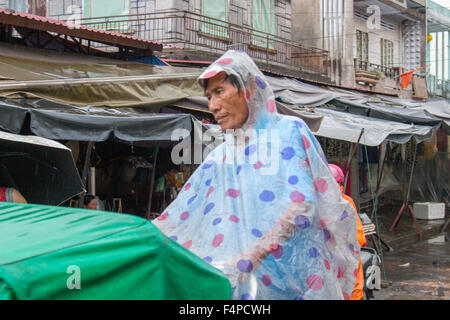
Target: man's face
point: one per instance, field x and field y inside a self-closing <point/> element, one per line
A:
<point x="228" y="106"/>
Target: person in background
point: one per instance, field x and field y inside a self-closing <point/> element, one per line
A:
<point x="11" y="195"/>
<point x="90" y="202"/>
<point x="358" y="291"/>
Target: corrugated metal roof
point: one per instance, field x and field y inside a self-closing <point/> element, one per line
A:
<point x="32" y="21"/>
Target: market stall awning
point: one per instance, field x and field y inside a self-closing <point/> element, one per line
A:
<point x="391" y="113"/>
<point x="294" y="91"/>
<point x="91" y="81"/>
<point x="66" y="122"/>
<point x="439" y="107"/>
<point x="398" y="111"/>
<point x="347" y="127"/>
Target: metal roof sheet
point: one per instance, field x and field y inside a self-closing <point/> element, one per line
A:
<point x="32" y="21"/>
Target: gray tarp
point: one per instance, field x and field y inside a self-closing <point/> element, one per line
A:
<point x="438" y="107"/>
<point x="423" y="115"/>
<point x="392" y="113"/>
<point x="296" y="92"/>
<point x="64" y="122"/>
<point x="346" y="126"/>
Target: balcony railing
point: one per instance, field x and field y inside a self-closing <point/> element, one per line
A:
<point x="389" y="72"/>
<point x="204" y="34"/>
<point x="438" y="87"/>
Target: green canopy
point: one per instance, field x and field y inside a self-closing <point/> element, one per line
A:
<point x="50" y="252"/>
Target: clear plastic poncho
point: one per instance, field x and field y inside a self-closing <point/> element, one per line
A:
<point x="276" y="225"/>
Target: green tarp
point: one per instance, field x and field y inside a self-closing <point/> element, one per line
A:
<point x="50" y="252"/>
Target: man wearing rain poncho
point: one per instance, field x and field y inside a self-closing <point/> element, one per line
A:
<point x="272" y="217"/>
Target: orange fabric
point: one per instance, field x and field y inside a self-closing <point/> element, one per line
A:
<point x="358" y="289"/>
<point x="406" y="79"/>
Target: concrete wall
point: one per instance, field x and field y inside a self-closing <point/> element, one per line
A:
<point x="306" y="24"/>
<point x="307" y="28"/>
<point x="348" y="70"/>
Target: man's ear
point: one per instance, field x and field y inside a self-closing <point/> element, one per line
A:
<point x="242" y="93"/>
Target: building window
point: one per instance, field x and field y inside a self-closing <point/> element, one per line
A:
<point x="18" y="5"/>
<point x="387" y="53"/>
<point x="218" y="11"/>
<point x="362" y="46"/>
<point x="263" y="19"/>
<point x="107" y="8"/>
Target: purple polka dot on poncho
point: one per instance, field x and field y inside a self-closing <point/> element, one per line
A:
<point x="208" y="207"/>
<point x="245" y="265"/>
<point x="302" y="222"/>
<point x="267" y="196"/>
<point x="260" y="82"/>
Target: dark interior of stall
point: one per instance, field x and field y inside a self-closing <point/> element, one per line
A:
<point x="125" y="176"/>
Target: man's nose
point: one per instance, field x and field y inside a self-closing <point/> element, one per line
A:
<point x="213" y="105"/>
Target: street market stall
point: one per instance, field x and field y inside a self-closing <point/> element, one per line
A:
<point x="108" y="112"/>
<point x="400" y="146"/>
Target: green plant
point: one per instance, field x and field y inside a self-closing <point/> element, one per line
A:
<point x="379" y="74"/>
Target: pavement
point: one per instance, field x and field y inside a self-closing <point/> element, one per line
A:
<point x="405" y="233"/>
<point x="413" y="269"/>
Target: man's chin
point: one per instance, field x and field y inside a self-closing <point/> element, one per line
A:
<point x="229" y="126"/>
<point x="224" y="126"/>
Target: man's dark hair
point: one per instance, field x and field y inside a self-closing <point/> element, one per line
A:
<point x="88" y="198"/>
<point x="231" y="78"/>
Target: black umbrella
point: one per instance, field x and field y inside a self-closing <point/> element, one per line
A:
<point x="42" y="170"/>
